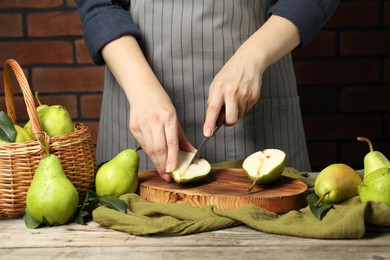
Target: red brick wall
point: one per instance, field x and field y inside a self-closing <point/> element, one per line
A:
<point x="343" y="75"/>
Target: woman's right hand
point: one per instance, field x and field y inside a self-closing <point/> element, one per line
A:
<point x="153" y="119"/>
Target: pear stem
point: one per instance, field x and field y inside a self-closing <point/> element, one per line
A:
<point x="37" y="98"/>
<point x="365" y="139"/>
<point x="252" y="186"/>
<point x="138" y="148"/>
<point x="317" y="204"/>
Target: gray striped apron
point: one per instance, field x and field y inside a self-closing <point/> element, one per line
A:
<point x="186" y="43"/>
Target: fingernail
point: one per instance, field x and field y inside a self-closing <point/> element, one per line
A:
<point x="166" y="177"/>
<point x="168" y="167"/>
<point x="207" y="132"/>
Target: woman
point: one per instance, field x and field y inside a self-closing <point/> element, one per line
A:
<point x="172" y="66"/>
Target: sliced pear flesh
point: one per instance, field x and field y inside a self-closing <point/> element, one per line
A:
<point x="185" y="173"/>
<point x="264" y="166"/>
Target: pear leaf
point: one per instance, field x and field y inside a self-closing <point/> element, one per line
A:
<point x="320" y="211"/>
<point x="92" y="201"/>
<point x="113" y="203"/>
<point x="30" y="222"/>
<point x="7" y="128"/>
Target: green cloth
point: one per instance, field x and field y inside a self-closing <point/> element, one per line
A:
<point x="350" y="219"/>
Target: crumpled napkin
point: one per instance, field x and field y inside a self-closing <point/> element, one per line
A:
<point x="350" y="219"/>
<point x="346" y="220"/>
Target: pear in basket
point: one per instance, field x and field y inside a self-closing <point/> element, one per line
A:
<point x="51" y="198"/>
<point x="55" y="119"/>
<point x="10" y="132"/>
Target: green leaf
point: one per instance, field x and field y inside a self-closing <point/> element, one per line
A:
<point x="113" y="203"/>
<point x="320" y="211"/>
<point x="7" y="128"/>
<point x="90" y="203"/>
<point x="30" y="222"/>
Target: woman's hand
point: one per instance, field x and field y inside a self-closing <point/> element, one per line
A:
<point x="237" y="86"/>
<point x="153" y="120"/>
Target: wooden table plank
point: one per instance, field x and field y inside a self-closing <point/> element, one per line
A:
<point x="96" y="242"/>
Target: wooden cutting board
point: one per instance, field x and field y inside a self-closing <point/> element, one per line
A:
<point x="226" y="189"/>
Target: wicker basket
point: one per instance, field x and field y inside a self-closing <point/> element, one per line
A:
<point x="18" y="161"/>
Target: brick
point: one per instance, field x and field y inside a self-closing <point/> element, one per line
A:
<point x="90" y="106"/>
<point x="11" y="25"/>
<point x="67" y="101"/>
<point x="321" y="154"/>
<point x="352" y="153"/>
<point x="386" y="13"/>
<point x="318" y="99"/>
<point x="15" y="84"/>
<point x="94" y="127"/>
<point x="324" y="44"/>
<point x="82" y="54"/>
<point x="71" y="3"/>
<point x="30" y="3"/>
<point x="20" y="108"/>
<point x="54" y="24"/>
<point x="37" y="52"/>
<point x="365" y="99"/>
<point x="386" y="70"/>
<point x="337" y="71"/>
<point x="365" y="42"/>
<point x="342" y="127"/>
<point x="51" y="80"/>
<point x="356" y="14"/>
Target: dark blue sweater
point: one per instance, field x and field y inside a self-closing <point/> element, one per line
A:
<point x="106" y="20"/>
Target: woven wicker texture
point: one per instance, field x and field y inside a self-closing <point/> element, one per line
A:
<point x="18" y="161"/>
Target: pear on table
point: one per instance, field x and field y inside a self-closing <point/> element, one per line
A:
<point x="186" y="172"/>
<point x="373" y="160"/>
<point x="376" y="187"/>
<point x="119" y="175"/>
<point x="336" y="183"/>
<point x="264" y="166"/>
<point x="51" y="197"/>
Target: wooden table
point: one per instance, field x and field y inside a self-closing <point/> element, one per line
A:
<point x="93" y="241"/>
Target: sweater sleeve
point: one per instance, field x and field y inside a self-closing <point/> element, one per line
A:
<point x="103" y="21"/>
<point x="308" y="15"/>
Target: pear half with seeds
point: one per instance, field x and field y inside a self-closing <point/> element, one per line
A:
<point x="185" y="173"/>
<point x="264" y="166"/>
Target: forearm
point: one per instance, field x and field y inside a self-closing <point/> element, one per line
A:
<point x="130" y="68"/>
<point x="277" y="37"/>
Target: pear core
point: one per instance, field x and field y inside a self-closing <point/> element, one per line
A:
<point x="186" y="172"/>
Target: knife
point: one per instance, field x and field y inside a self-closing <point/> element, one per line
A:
<point x="219" y="123"/>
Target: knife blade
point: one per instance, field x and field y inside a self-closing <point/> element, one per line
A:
<point x="219" y="123"/>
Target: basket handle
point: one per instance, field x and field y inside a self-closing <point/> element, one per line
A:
<point x="11" y="66"/>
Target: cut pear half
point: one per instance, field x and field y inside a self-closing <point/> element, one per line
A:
<point x="264" y="166"/>
<point x="186" y="172"/>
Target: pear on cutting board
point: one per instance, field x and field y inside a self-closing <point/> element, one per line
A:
<point x="119" y="175"/>
<point x="335" y="183"/>
<point x="186" y="172"/>
<point x="373" y="160"/>
<point x="264" y="166"/>
<point x="51" y="197"/>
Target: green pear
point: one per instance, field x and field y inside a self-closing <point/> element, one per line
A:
<point x="119" y="175"/>
<point x="22" y="135"/>
<point x="373" y="160"/>
<point x="264" y="166"/>
<point x="51" y="197"/>
<point x="336" y="183"/>
<point x="376" y="186"/>
<point x="186" y="172"/>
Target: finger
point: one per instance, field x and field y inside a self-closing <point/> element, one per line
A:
<point x="184" y="143"/>
<point x="232" y="112"/>
<point x="214" y="106"/>
<point x="172" y="140"/>
<point x="159" y="149"/>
